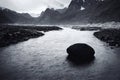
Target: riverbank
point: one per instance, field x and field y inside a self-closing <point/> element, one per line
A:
<point x="13" y="34"/>
<point x="86" y="28"/>
<point x="111" y="36"/>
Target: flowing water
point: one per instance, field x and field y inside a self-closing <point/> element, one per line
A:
<point x="45" y="58"/>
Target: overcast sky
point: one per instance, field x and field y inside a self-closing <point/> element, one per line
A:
<point x="33" y="6"/>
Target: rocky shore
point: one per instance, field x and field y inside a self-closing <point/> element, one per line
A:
<point x="13" y="34"/>
<point x="86" y="28"/>
<point x="111" y="36"/>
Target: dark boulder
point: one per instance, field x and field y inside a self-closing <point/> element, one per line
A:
<point x="81" y="51"/>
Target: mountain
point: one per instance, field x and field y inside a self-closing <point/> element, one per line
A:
<point x="9" y="16"/>
<point x="109" y="10"/>
<point x="49" y="16"/>
<point x="78" y="11"/>
<point x="73" y="14"/>
<point x="84" y="11"/>
<point x="3" y="17"/>
<point x="61" y="10"/>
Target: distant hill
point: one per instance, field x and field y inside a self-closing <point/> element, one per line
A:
<point x="9" y="16"/>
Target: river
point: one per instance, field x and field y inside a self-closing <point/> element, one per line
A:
<point x="45" y="58"/>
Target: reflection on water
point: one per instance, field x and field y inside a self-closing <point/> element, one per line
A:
<point x="44" y="58"/>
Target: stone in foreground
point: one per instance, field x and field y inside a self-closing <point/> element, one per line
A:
<point x="81" y="51"/>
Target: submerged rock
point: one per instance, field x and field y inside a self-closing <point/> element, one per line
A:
<point x="81" y="51"/>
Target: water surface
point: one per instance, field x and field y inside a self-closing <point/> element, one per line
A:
<point x="45" y="58"/>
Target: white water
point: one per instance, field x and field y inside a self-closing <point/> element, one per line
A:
<point x="44" y="58"/>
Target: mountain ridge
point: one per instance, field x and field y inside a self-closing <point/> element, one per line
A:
<point x="10" y="16"/>
<point x="94" y="11"/>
